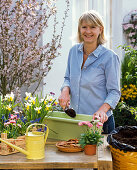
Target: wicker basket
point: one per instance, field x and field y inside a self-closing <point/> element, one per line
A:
<point x="6" y="150"/>
<point x="69" y="149"/>
<point x="69" y="146"/>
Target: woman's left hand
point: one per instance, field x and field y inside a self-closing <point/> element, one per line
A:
<point x="102" y="115"/>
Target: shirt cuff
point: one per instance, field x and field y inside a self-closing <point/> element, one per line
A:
<point x="64" y="85"/>
<point x="113" y="100"/>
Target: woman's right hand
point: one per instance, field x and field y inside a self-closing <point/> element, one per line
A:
<point x="64" y="98"/>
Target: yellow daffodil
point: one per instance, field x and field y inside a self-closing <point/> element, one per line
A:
<point x="48" y="107"/>
<point x="45" y="102"/>
<point x="28" y="95"/>
<point x="9" y="97"/>
<point x="41" y="100"/>
<point x="8" y="107"/>
<point x="49" y="98"/>
<point x="27" y="105"/>
<point x="32" y="100"/>
<point x="38" y="109"/>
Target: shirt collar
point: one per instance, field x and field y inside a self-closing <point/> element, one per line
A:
<point x="80" y="48"/>
<point x="96" y="52"/>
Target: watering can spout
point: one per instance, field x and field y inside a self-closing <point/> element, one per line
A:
<point x="15" y="147"/>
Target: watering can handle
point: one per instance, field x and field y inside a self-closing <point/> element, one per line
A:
<point x="37" y="124"/>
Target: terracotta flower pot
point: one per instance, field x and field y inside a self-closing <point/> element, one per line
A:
<point x="90" y="149"/>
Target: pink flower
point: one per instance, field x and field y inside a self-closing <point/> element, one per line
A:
<point x="126" y="26"/>
<point x="19" y="125"/>
<point x="131" y="34"/>
<point x="12" y="121"/>
<point x="133" y="40"/>
<point x="97" y="117"/>
<point x="83" y="123"/>
<point x="12" y="116"/>
<point x="8" y="123"/>
<point x="15" y="116"/>
<point x="99" y="124"/>
<point x="90" y="125"/>
<point x="80" y="123"/>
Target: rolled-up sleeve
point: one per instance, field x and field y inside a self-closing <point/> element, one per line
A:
<point x="67" y="74"/>
<point x="112" y="73"/>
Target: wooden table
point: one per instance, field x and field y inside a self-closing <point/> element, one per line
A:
<point x="56" y="159"/>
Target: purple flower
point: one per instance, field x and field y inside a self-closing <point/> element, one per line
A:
<point x="18" y="115"/>
<point x="45" y="128"/>
<point x="32" y="121"/>
<point x="52" y="93"/>
<point x="39" y="130"/>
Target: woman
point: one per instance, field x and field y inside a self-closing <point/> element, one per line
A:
<point x="92" y="79"/>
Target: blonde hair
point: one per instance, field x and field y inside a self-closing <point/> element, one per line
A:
<point x="92" y="18"/>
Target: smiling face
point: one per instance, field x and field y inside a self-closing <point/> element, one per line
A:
<point x="91" y="28"/>
<point x="89" y="33"/>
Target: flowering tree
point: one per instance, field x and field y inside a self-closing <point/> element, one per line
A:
<point x="23" y="59"/>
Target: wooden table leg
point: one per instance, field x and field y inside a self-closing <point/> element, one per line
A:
<point x="104" y="156"/>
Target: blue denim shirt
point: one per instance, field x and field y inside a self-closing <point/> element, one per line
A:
<point x="96" y="83"/>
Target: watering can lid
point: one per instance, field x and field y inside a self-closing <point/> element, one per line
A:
<point x="35" y="133"/>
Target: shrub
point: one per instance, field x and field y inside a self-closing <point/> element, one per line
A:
<point x="129" y="66"/>
<point x="129" y="76"/>
<point x="125" y="115"/>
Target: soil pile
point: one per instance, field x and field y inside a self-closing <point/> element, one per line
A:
<point x="127" y="136"/>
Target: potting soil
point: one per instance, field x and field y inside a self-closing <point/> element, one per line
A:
<point x="124" y="138"/>
<point x="127" y="136"/>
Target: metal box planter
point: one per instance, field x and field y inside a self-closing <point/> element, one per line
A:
<point x="63" y="127"/>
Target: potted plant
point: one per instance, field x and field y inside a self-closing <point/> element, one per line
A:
<point x="92" y="136"/>
<point x="123" y="145"/>
<point x="15" y="117"/>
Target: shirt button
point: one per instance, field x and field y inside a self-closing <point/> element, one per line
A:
<point x="85" y="67"/>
